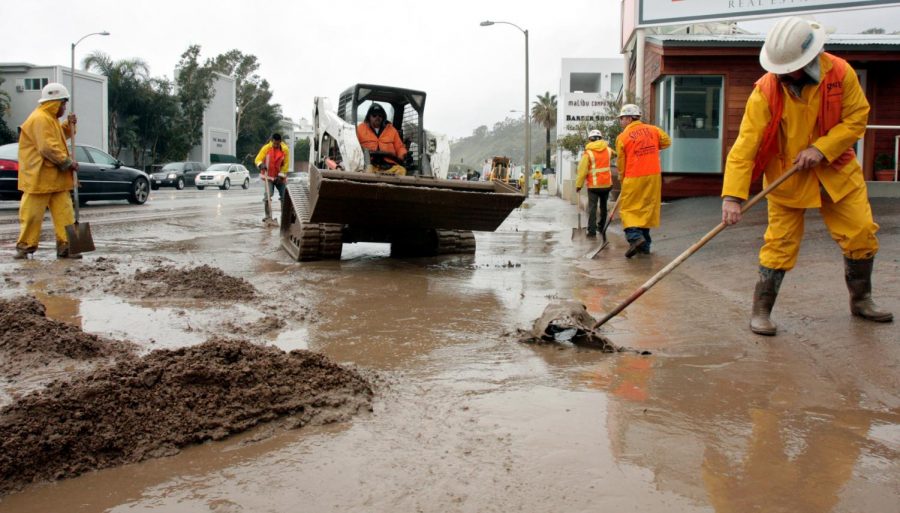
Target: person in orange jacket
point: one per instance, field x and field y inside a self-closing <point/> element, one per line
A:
<point x="594" y="168"/>
<point x="45" y="173"/>
<point x="375" y="133"/>
<point x="637" y="150"/>
<point x="273" y="163"/>
<point x="807" y="111"/>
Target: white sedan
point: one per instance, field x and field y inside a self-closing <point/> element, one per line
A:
<point x="223" y="176"/>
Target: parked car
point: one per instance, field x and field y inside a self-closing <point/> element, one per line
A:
<point x="175" y="174"/>
<point x="223" y="176"/>
<point x="102" y="176"/>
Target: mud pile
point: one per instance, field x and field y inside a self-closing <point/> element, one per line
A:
<point x="567" y="322"/>
<point x="148" y="407"/>
<point x="29" y="338"/>
<point x="202" y="282"/>
<point x="267" y="325"/>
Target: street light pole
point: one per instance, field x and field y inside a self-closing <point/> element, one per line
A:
<point x="72" y="84"/>
<point x="527" y="110"/>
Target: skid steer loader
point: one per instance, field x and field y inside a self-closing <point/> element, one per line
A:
<point x="421" y="214"/>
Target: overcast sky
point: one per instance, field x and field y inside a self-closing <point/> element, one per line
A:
<point x="473" y="75"/>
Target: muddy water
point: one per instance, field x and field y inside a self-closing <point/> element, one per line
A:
<point x="466" y="419"/>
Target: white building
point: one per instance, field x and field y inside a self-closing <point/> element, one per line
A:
<point x="583" y="84"/>
<point x="219" y="140"/>
<point x="23" y="82"/>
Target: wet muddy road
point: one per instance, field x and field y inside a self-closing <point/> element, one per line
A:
<point x="465" y="418"/>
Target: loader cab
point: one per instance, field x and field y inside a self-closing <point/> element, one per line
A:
<point x="404" y="108"/>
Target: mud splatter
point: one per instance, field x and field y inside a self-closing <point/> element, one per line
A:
<point x="268" y="325"/>
<point x="148" y="407"/>
<point x="202" y="282"/>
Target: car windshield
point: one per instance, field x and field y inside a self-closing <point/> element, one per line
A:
<point x="218" y="167"/>
<point x="173" y="167"/>
<point x="9" y="151"/>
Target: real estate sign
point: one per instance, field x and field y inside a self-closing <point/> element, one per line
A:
<point x="662" y="12"/>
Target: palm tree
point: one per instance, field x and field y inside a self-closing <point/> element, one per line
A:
<point x="543" y="112"/>
<point x="124" y="81"/>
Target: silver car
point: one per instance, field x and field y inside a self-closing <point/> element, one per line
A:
<point x="223" y="176"/>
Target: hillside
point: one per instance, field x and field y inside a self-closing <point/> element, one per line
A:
<point x="506" y="138"/>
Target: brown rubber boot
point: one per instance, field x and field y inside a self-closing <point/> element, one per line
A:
<point x="62" y="251"/>
<point x="764" y="299"/>
<point x="858" y="274"/>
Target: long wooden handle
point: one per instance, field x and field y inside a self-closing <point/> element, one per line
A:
<point x="693" y="249"/>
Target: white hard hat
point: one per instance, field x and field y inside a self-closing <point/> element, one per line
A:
<point x="630" y="109"/>
<point x="54" y="91"/>
<point x="791" y="44"/>
<point x="595" y="133"/>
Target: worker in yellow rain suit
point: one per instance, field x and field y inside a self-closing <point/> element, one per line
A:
<point x="807" y="111"/>
<point x="637" y="157"/>
<point x="538" y="178"/>
<point x="45" y="172"/>
<point x="594" y="169"/>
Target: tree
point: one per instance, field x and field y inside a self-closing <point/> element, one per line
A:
<point x="543" y="112"/>
<point x="6" y="134"/>
<point x="194" y="84"/>
<point x="255" y="117"/>
<point x="124" y="80"/>
<point x="301" y="150"/>
<point x="873" y="31"/>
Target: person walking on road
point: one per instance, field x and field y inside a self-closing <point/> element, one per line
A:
<point x="45" y="172"/>
<point x="594" y="168"/>
<point x="272" y="161"/>
<point x="538" y="178"/>
<point x="807" y="111"/>
<point x="637" y="157"/>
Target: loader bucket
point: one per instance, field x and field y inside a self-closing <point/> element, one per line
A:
<point x="364" y="199"/>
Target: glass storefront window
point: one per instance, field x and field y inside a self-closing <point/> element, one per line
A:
<point x="690" y="111"/>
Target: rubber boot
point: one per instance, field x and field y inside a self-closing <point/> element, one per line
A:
<point x="858" y="274"/>
<point x="764" y="299"/>
<point x="634" y="246"/>
<point x="62" y="251"/>
<point x="21" y="254"/>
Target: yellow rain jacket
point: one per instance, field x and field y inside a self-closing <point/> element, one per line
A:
<point x="637" y="157"/>
<point x="585" y="165"/>
<point x="799" y="130"/>
<point x="261" y="156"/>
<point x="44" y="159"/>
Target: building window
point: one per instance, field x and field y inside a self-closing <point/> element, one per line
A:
<point x="615" y="83"/>
<point x="584" y="83"/>
<point x="35" y="84"/>
<point x="690" y="111"/>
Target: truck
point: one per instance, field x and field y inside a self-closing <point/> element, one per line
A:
<point x="420" y="214"/>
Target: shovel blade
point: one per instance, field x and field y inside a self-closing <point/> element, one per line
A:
<point x="80" y="238"/>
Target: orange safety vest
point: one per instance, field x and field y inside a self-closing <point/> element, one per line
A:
<point x="274" y="161"/>
<point x="831" y="88"/>
<point x="388" y="140"/>
<point x="599" y="175"/>
<point x="641" y="150"/>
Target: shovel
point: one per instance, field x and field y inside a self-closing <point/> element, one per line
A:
<point x="594" y="252"/>
<point x="693" y="249"/>
<point x="79" y="234"/>
<point x="578" y="230"/>
<point x="268" y="220"/>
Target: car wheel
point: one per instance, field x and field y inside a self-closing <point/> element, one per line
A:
<point x="246" y="183"/>
<point x="226" y="185"/>
<point x="200" y="187"/>
<point x="179" y="184"/>
<point x="140" y="191"/>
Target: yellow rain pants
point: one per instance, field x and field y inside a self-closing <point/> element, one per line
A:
<point x="849" y="221"/>
<point x="31" y="215"/>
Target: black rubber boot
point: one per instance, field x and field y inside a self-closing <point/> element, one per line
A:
<point x="858" y="274"/>
<point x="62" y="251"/>
<point x="764" y="299"/>
<point x="635" y="246"/>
